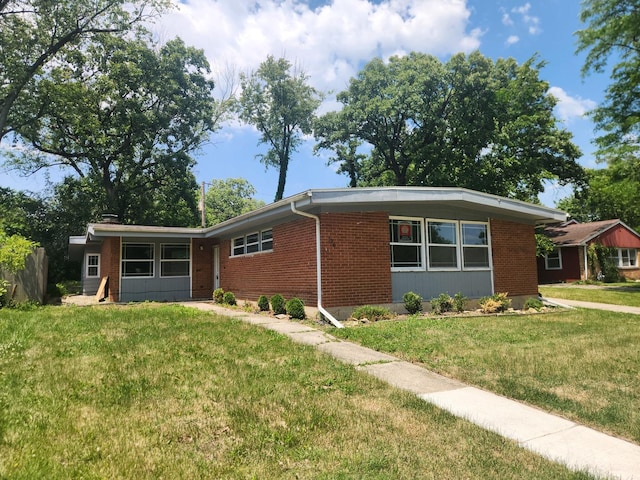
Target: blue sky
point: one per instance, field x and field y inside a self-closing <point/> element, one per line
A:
<point x="331" y="40"/>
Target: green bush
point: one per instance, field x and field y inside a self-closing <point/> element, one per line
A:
<point x="534" y="303"/>
<point x="218" y="295"/>
<point x="295" y="308"/>
<point x="277" y="304"/>
<point x="4" y="288"/>
<point x="441" y="304"/>
<point x="412" y="302"/>
<point x="229" y="298"/>
<point x="263" y="303"/>
<point x="459" y="302"/>
<point x="372" y="313"/>
<point x="496" y="303"/>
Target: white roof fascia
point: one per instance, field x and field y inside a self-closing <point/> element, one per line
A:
<point x="141" y="231"/>
<point x="540" y="213"/>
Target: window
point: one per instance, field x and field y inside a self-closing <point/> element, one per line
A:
<point x="252" y="243"/>
<point x="442" y="241"/>
<point x="174" y="260"/>
<point x="93" y="265"/>
<point x="475" y="246"/>
<point x="553" y="260"/>
<point x="137" y="259"/>
<point x="627" y="257"/>
<point x="407" y="247"/>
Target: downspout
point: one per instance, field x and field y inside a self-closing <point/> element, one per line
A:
<point x="321" y="309"/>
<point x="586" y="266"/>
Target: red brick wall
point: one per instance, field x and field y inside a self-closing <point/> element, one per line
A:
<point x="202" y="268"/>
<point x="290" y="269"/>
<point x="110" y="265"/>
<point x="355" y="259"/>
<point x="514" y="258"/>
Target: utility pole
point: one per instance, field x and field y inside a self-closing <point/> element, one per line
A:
<point x="202" y="192"/>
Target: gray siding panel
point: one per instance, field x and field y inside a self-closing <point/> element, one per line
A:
<point x="155" y="289"/>
<point x="431" y="284"/>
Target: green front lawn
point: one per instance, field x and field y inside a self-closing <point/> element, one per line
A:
<point x="152" y="391"/>
<point x="582" y="364"/>
<point x="625" y="294"/>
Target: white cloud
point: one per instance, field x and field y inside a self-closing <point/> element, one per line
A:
<point x="532" y="22"/>
<point x="506" y="19"/>
<point x="512" y="40"/>
<point x="330" y="42"/>
<point x="569" y="107"/>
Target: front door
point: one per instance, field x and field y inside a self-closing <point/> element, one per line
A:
<point x="216" y="267"/>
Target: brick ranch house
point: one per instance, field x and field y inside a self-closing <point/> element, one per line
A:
<point x="335" y="249"/>
<point x="569" y="261"/>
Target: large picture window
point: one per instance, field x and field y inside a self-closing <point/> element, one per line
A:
<point x="175" y="260"/>
<point x="252" y="243"/>
<point x="442" y="244"/>
<point x="137" y="259"/>
<point x="450" y="245"/>
<point x="407" y="246"/>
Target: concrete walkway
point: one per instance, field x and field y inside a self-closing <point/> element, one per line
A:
<point x="596" y="306"/>
<point x="556" y="438"/>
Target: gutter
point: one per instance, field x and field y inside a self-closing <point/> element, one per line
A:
<point x="321" y="309"/>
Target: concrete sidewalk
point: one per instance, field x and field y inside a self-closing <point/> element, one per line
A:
<point x="558" y="439"/>
<point x="596" y="306"/>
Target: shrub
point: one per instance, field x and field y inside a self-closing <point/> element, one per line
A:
<point x="371" y="313"/>
<point x="277" y="304"/>
<point x="496" y="303"/>
<point x="441" y="304"/>
<point x="459" y="302"/>
<point x="4" y="288"/>
<point x="263" y="303"/>
<point x="295" y="308"/>
<point x="412" y="302"/>
<point x="534" y="303"/>
<point x="229" y="298"/>
<point x="218" y="295"/>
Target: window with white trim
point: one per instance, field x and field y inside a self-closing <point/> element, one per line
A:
<point x="626" y="257"/>
<point x="475" y="245"/>
<point x="553" y="260"/>
<point x="137" y="259"/>
<point x="407" y="246"/>
<point x="175" y="260"/>
<point x="92" y="265"/>
<point x="442" y="245"/>
<point x="252" y="243"/>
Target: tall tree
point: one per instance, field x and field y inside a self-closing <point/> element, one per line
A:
<point x="612" y="192"/>
<point x="35" y="32"/>
<point x="229" y="198"/>
<point x="469" y="122"/>
<point x="613" y="31"/>
<point x="126" y="117"/>
<point x="279" y="102"/>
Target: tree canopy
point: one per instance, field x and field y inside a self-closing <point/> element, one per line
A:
<point x="279" y="102"/>
<point x="470" y="122"/>
<point x="229" y="198"/>
<point x="612" y="33"/>
<point x="125" y="118"/>
<point x="35" y="32"/>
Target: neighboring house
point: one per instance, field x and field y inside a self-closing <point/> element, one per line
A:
<point x="334" y="249"/>
<point x="569" y="261"/>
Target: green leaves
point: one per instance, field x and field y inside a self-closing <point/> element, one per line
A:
<point x="281" y="105"/>
<point x="229" y="198"/>
<point x="469" y="122"/>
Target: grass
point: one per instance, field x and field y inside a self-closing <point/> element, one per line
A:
<point x="582" y="364"/>
<point x="154" y="391"/>
<point x="623" y="294"/>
